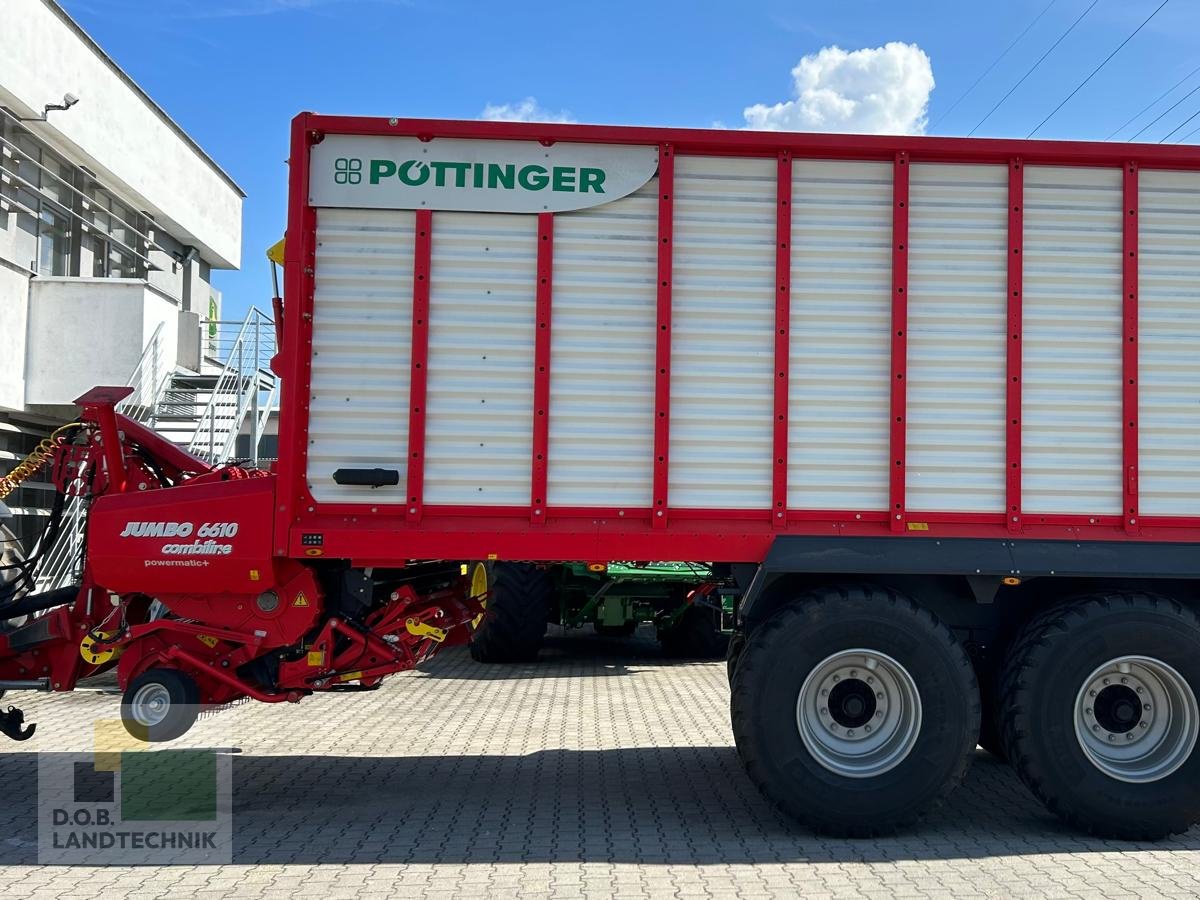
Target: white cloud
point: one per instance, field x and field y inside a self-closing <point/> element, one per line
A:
<point x="880" y="90"/>
<point x="526" y="110"/>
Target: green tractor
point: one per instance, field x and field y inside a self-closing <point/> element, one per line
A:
<point x="691" y="609"/>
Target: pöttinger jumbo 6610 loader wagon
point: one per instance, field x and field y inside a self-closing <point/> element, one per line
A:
<point x="931" y="407"/>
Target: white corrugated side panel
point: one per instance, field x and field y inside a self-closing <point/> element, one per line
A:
<point x="957" y="322"/>
<point x="839" y="396"/>
<point x="1071" y="364"/>
<point x="602" y="353"/>
<point x="362" y="336"/>
<point x="1169" y="343"/>
<point x="479" y="407"/>
<point x="723" y="333"/>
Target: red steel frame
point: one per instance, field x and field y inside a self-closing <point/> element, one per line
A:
<point x="1016" y="276"/>
<point x="541" y="369"/>
<point x="783" y="328"/>
<point x="899" y="405"/>
<point x="419" y="374"/>
<point x="381" y="533"/>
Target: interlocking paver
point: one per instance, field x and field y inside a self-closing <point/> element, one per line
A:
<point x="600" y="771"/>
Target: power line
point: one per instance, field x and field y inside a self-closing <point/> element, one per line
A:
<point x="1160" y="115"/>
<point x="975" y="83"/>
<point x="1152" y="104"/>
<point x="1188" y="135"/>
<point x="1092" y="74"/>
<point x="1062" y="37"/>
<point x="1179" y="126"/>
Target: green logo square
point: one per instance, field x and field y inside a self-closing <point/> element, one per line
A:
<point x="347" y="170"/>
<point x="169" y="785"/>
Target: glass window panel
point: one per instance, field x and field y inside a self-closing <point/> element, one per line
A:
<point x="53" y="243"/>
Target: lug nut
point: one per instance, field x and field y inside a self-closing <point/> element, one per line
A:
<point x="867" y="729"/>
<point x="850" y="732"/>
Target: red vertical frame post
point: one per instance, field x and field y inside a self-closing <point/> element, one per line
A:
<point x="783" y="315"/>
<point x="899" y="399"/>
<point x="662" y="353"/>
<point x="1129" y="341"/>
<point x="541" y="367"/>
<point x="1016" y="278"/>
<point x="295" y="354"/>
<point x="419" y="374"/>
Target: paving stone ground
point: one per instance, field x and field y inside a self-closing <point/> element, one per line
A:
<point x="601" y="771"/>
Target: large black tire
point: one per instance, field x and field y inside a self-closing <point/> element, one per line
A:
<point x="800" y="639"/>
<point x="514" y="624"/>
<point x="178" y="703"/>
<point x="697" y="635"/>
<point x="1050" y="664"/>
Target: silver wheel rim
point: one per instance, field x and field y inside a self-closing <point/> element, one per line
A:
<point x="859" y="713"/>
<point x="150" y="705"/>
<point x="1136" y="719"/>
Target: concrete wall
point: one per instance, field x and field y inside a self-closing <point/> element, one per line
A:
<point x="14" y="305"/>
<point x="85" y="332"/>
<point x="115" y="129"/>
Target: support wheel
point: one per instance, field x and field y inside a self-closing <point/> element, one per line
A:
<point x="160" y="705"/>
<point x="697" y="635"/>
<point x="1101" y="715"/>
<point x="854" y="710"/>
<point x="515" y="622"/>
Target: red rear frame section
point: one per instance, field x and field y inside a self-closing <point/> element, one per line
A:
<point x="385" y="534"/>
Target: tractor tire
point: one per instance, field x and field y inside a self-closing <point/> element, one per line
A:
<point x="1100" y="713"/>
<point x="854" y="710"/>
<point x="160" y="705"/>
<point x="514" y="623"/>
<point x="695" y="636"/>
<point x="615" y="631"/>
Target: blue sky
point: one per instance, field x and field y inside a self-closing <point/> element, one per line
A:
<point x="234" y="72"/>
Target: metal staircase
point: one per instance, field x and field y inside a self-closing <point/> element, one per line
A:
<point x="204" y="412"/>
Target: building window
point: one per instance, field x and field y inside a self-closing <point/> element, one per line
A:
<point x="54" y="241"/>
<point x="80" y="228"/>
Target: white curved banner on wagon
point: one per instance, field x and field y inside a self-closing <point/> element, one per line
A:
<point x="381" y="172"/>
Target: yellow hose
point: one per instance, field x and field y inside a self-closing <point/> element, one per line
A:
<point x="31" y="464"/>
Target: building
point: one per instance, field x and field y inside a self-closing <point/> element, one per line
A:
<point x="112" y="220"/>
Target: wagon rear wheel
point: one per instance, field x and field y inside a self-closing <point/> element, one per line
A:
<point x="854" y="710"/>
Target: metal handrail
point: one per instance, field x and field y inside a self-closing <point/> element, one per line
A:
<point x="148" y="379"/>
<point x="237" y="390"/>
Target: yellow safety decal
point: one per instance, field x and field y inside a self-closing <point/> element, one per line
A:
<point x="207" y="640"/>
<point x="301" y="599"/>
<point x="918" y="526"/>
<point x="94" y="657"/>
<point x="493" y="556"/>
<point x="316" y="657"/>
<point x="350" y="676"/>
<point x="424" y="629"/>
<point x="254" y="575"/>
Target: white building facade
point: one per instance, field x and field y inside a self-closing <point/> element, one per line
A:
<point x="112" y="220"/>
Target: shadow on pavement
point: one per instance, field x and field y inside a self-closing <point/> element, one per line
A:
<point x="648" y="805"/>
<point x="565" y="653"/>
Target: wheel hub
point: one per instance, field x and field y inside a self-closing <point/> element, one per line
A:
<point x="150" y="705"/>
<point x="858" y="713"/>
<point x="1136" y="719"/>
